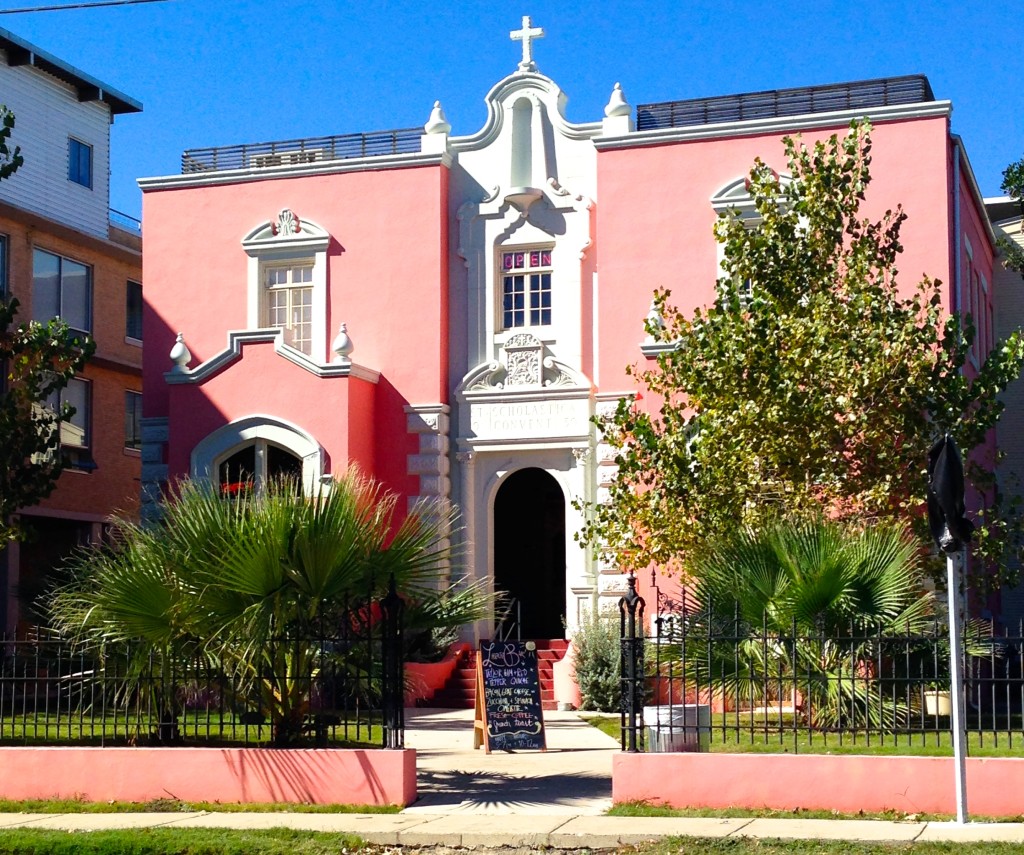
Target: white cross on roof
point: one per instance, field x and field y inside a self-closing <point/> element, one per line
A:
<point x="525" y="35"/>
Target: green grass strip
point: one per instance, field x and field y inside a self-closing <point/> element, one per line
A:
<point x="177" y="841"/>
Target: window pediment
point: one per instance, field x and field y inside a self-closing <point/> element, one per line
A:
<point x="287" y="233"/>
<point x="288" y="246"/>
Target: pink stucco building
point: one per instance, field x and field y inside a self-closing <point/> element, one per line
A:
<point x="448" y="312"/>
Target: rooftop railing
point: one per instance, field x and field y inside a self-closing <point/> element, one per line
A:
<point x="864" y="94"/>
<point x="124" y="221"/>
<point x="301" y="151"/>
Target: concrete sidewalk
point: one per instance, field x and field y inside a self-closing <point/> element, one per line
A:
<point x="563" y="831"/>
<point x="555" y="798"/>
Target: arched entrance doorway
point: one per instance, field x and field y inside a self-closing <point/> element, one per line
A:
<point x="529" y="550"/>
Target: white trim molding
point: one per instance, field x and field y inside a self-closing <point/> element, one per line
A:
<point x="237" y="339"/>
<point x="320" y="167"/>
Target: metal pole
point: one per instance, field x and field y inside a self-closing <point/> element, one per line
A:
<point x="954" y="577"/>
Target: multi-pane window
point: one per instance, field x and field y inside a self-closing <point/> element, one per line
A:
<point x="132" y="419"/>
<point x="75" y="432"/>
<point x="61" y="288"/>
<point x="133" y="313"/>
<point x="79" y="162"/>
<point x="289" y="302"/>
<point x="526" y="288"/>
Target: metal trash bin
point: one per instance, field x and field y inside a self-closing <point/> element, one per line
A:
<point x="677" y="727"/>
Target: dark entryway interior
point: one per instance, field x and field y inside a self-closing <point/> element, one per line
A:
<point x="529" y="550"/>
<point x="48" y="544"/>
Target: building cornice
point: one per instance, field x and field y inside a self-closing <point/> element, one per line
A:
<point x="299" y="170"/>
<point x="779" y="124"/>
<point x="233" y="352"/>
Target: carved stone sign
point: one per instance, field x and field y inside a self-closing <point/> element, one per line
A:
<point x="529" y="419"/>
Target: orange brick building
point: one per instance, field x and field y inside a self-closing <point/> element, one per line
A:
<point x="64" y="252"/>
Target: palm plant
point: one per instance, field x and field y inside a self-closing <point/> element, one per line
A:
<point x="801" y="605"/>
<point x="258" y="581"/>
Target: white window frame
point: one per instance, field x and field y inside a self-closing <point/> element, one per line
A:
<point x="269" y="245"/>
<point x="291" y="289"/>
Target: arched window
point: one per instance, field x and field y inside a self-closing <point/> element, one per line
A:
<point x="257" y="448"/>
<point x="251" y="466"/>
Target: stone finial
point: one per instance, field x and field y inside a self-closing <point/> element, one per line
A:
<point x="617" y="104"/>
<point x="437" y="123"/>
<point x="342" y="345"/>
<point x="180" y="355"/>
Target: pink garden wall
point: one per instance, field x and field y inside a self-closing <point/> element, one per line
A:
<point x="227" y="775"/>
<point x="846" y="783"/>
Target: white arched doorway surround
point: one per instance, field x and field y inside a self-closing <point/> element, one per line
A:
<point x="484" y="473"/>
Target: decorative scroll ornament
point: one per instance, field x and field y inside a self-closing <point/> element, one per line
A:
<point x="523" y="357"/>
<point x="524" y="366"/>
<point x="287" y="223"/>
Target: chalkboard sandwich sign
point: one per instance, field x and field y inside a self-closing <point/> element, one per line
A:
<point x="508" y="712"/>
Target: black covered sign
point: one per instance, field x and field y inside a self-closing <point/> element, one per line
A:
<point x="508" y="696"/>
<point x="949" y="527"/>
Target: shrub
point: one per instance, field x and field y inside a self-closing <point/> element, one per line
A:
<point x="597" y="661"/>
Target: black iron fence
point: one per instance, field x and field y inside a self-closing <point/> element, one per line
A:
<point x="338" y="690"/>
<point x="696" y="681"/>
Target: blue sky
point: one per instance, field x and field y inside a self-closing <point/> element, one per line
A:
<point x="221" y="72"/>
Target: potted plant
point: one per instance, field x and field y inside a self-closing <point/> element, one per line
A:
<point x="937" y="700"/>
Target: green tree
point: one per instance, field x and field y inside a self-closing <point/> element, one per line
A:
<point x="811" y="384"/>
<point x="1013" y="186"/>
<point x="801" y="605"/>
<point x="229" y="579"/>
<point x="38" y="360"/>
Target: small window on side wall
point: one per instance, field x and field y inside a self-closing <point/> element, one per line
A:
<point x="133" y="420"/>
<point x="3" y="265"/>
<point x="133" y="303"/>
<point x="79" y="162"/>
